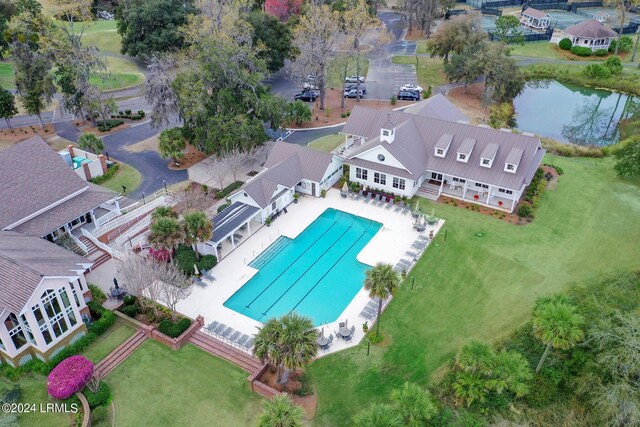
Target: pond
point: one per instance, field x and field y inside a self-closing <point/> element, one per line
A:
<point x="571" y="113"/>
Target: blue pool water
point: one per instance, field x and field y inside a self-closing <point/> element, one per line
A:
<point x="316" y="274"/>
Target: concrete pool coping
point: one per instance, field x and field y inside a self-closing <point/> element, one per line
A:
<point x="388" y="245"/>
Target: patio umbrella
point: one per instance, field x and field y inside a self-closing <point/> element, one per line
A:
<point x="115" y="283"/>
<point x="346" y="323"/>
<point x="322" y="332"/>
<point x="345" y="188"/>
<point x="195" y="268"/>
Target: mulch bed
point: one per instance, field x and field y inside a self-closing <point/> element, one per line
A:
<point x="18" y="134"/>
<point x="191" y="157"/>
<point x="86" y="127"/>
<point x="309" y="403"/>
<point x="501" y="215"/>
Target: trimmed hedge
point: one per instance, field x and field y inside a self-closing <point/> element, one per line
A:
<point x="107" y="125"/>
<point x="186" y="258"/>
<point x="100" y="398"/>
<point x="126" y="114"/>
<point x="107" y="176"/>
<point x="581" y="51"/>
<point x="98" y="295"/>
<point x="228" y="189"/>
<point x="601" y="52"/>
<point x="176" y="329"/>
<point x="565" y="44"/>
<point x="130" y="310"/>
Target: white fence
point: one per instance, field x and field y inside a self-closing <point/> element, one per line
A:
<point x="129" y="216"/>
<point x="113" y="252"/>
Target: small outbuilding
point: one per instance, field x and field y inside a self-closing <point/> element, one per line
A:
<point x="591" y="34"/>
<point x="535" y="19"/>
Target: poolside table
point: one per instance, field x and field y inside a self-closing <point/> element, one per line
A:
<point x="345" y="332"/>
<point x="322" y="342"/>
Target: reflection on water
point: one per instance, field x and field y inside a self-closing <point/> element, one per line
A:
<point x="570" y="113"/>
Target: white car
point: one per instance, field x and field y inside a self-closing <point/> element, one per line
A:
<point x="412" y="87"/>
<point x="354" y="79"/>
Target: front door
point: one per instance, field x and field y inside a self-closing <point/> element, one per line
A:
<point x="436" y="176"/>
<point x="313" y="188"/>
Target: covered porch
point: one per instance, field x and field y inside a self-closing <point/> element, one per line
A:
<point x="231" y="227"/>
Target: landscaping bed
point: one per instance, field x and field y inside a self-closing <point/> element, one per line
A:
<point x="11" y="136"/>
<point x="191" y="156"/>
<point x="484" y="210"/>
<point x="300" y="387"/>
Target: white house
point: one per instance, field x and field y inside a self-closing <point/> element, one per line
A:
<point x="405" y="154"/>
<point x="42" y="196"/>
<point x="42" y="298"/>
<point x="535" y="19"/>
<point x="84" y="163"/>
<point x="289" y="169"/>
<point x="590" y="33"/>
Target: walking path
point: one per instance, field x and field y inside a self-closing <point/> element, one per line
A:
<point x="120" y="354"/>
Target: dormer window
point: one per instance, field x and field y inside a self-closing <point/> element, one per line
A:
<point x="385" y="132"/>
<point x="465" y="149"/>
<point x="439" y="152"/>
<point x="513" y="160"/>
<point x="509" y="167"/>
<point x="442" y="145"/>
<point x="462" y="157"/>
<point x="485" y="162"/>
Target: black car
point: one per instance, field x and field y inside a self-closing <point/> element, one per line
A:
<point x="409" y="95"/>
<point x="306" y="95"/>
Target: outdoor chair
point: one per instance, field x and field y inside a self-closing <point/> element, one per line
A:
<point x="234" y="337"/>
<point x="221" y="327"/>
<point x="353" y="329"/>
<point x="337" y="334"/>
<point x="242" y="340"/>
<point x="227" y="332"/>
<point x="330" y="339"/>
<point x="423" y="238"/>
<point x="249" y="344"/>
<point x="212" y="326"/>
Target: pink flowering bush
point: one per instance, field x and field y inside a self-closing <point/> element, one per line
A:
<point x="69" y="376"/>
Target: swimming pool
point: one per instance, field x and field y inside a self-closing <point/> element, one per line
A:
<point x="316" y="274"/>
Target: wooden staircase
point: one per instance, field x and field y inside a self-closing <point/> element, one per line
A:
<point x="116" y="232"/>
<point x="95" y="254"/>
<point x="218" y="348"/>
<point x="428" y="191"/>
<point x="120" y="354"/>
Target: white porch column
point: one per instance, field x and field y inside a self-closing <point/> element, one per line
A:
<point x="93" y="218"/>
<point x="464" y="190"/>
<point x="233" y="243"/>
<point x="9" y="348"/>
<point x="117" y="207"/>
<point x="249" y="227"/>
<point x="489" y="194"/>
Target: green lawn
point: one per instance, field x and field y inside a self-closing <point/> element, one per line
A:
<point x="471" y="287"/>
<point x="127" y="176"/>
<point x="33" y="390"/>
<point x="108" y="342"/>
<point x="421" y="46"/>
<point x="327" y="143"/>
<point x="336" y="70"/>
<point x="537" y="50"/>
<point x="6" y="75"/>
<point x="157" y="386"/>
<point x="430" y="71"/>
<point x="103" y="35"/>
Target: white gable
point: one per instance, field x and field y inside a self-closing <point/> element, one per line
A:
<point x="379" y="154"/>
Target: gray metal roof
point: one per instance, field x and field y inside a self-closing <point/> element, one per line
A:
<point x="437" y="107"/>
<point x="514" y="156"/>
<point x="590" y="29"/>
<point x="535" y="13"/>
<point x="230" y="219"/>
<point x="489" y="151"/>
<point x="25" y="260"/>
<point x="416" y="147"/>
<point x="444" y="141"/>
<point x="287" y="165"/>
<point x="467" y="146"/>
<point x="33" y="177"/>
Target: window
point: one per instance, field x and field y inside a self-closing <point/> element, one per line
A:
<point x="381" y="157"/>
<point x="503" y="190"/>
<point x="361" y="174"/>
<point x="385" y="133"/>
<point x="477" y="184"/>
<point x="510" y="167"/>
<point x="460" y="180"/>
<point x="80" y="285"/>
<point x="379" y="178"/>
<point x="439" y="152"/>
<point x="398" y="183"/>
<point x="486" y="163"/>
<point x="15" y="331"/>
<point x="462" y="157"/>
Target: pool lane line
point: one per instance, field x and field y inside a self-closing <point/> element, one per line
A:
<point x="328" y="271"/>
<point x="307" y="270"/>
<point x="289" y="266"/>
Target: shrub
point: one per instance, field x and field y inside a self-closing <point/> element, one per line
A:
<point x="130" y="310"/>
<point x="107" y="125"/>
<point x="601" y="52"/>
<point x="98" y="415"/>
<point x="129" y="300"/>
<point x="102" y="397"/>
<point x="581" y="51"/>
<point x="565" y="44"/>
<point x="525" y="211"/>
<point x="596" y="71"/>
<point x="127" y="112"/>
<point x="186" y="259"/>
<point x="176" y="329"/>
<point x="103" y="323"/>
<point x="626" y="43"/>
<point x="394" y="100"/>
<point x="228" y="189"/>
<point x="207" y="262"/>
<point x="614" y="65"/>
<point x="223" y="207"/>
<point x="107" y="176"/>
<point x="570" y="150"/>
<point x="98" y="295"/>
<point x="69" y="376"/>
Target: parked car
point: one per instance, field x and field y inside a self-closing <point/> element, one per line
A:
<point x="412" y="87"/>
<point x="306" y="95"/>
<point x="310" y="86"/>
<point x="362" y="87"/>
<point x="353" y="93"/>
<point x="409" y="95"/>
<point x="311" y="77"/>
<point x="354" y="79"/>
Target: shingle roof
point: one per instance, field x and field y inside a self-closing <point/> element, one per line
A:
<point x="418" y="147"/>
<point x="286" y="165"/>
<point x="437" y="107"/>
<point x="25" y="260"/>
<point x="535" y="13"/>
<point x="65" y="212"/>
<point x="590" y="29"/>
<point x="33" y="177"/>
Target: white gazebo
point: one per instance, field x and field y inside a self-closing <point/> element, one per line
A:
<point x="591" y="34"/>
<point x="535" y="19"/>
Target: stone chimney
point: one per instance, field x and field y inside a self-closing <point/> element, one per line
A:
<point x="70" y="150"/>
<point x="103" y="162"/>
<point x="87" y="172"/>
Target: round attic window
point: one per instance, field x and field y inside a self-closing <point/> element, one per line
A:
<point x="381" y="157"/>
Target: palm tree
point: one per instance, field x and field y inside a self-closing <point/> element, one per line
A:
<point x="511" y="372"/>
<point x="470" y="387"/>
<point x="378" y="416"/>
<point x="280" y="411"/>
<point x="381" y="281"/>
<point x="414" y="403"/>
<point x="475" y="357"/>
<point x="90" y="142"/>
<point x="163" y="211"/>
<point x="197" y="227"/>
<point x="166" y="233"/>
<point x="557" y="324"/>
<point x="288" y="342"/>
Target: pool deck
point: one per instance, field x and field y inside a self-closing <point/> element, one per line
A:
<point x="388" y="245"/>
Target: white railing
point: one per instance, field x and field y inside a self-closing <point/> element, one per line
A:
<point x="106" y="218"/>
<point x="129" y="216"/>
<point x="150" y="198"/>
<point x="113" y="252"/>
<point x="140" y="242"/>
<point x="81" y="245"/>
<point x="133" y="230"/>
